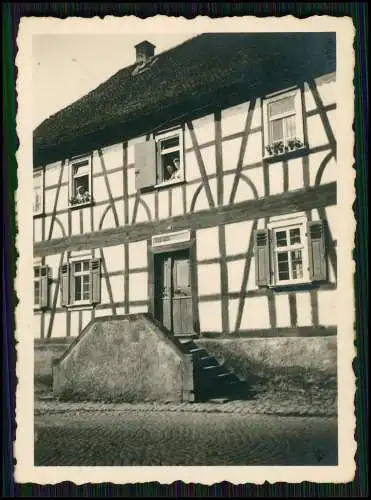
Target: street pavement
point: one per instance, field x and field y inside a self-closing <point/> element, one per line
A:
<point x="140" y="438"/>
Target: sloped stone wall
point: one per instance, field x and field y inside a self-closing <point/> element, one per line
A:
<point x="127" y="359"/>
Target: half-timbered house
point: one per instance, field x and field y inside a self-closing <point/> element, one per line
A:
<point x="197" y="185"/>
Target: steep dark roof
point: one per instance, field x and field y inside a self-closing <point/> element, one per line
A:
<point x="201" y="70"/>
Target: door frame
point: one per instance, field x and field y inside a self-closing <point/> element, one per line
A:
<point x="152" y="252"/>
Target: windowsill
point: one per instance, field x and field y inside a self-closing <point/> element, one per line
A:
<point x="81" y="205"/>
<point x="86" y="306"/>
<point x="291" y="284"/>
<point x="292" y="153"/>
<point x="169" y="183"/>
<point x="36" y="215"/>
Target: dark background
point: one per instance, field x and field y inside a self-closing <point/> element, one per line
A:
<point x="12" y="12"/>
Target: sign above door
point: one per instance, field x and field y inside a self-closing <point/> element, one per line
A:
<point x="170" y="238"/>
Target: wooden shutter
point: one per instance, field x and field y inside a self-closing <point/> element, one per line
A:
<point x="44" y="286"/>
<point x="145" y="164"/>
<point x="316" y="251"/>
<point x="64" y="282"/>
<point x="262" y="261"/>
<point x="95" y="281"/>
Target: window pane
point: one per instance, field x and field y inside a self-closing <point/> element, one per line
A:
<point x="36" y="292"/>
<point x="36" y="272"/>
<point x="78" y="288"/>
<point x="77" y="267"/>
<point x="294" y="236"/>
<point x="284" y="105"/>
<point x="172" y="142"/>
<point x="297" y="264"/>
<point x="81" y="167"/>
<point x="276" y="127"/>
<point x="281" y="240"/>
<point x="86" y="265"/>
<point x="81" y="185"/>
<point x="290" y="126"/>
<point x="283" y="266"/>
<point x="170" y="166"/>
<point x="37" y="199"/>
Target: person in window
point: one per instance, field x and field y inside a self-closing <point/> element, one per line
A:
<point x="173" y="170"/>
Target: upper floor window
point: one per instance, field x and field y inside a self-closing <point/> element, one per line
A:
<point x="38" y="192"/>
<point x="160" y="161"/>
<point x="80" y="181"/>
<point x="170" y="157"/>
<point x="290" y="252"/>
<point x="283" y="122"/>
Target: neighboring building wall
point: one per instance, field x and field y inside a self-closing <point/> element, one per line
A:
<point x="225" y="164"/>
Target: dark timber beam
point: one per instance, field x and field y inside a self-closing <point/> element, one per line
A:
<point x="285" y="203"/>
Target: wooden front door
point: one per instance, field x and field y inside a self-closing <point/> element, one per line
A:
<point x="174" y="292"/>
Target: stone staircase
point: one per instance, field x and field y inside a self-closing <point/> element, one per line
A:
<point x="212" y="379"/>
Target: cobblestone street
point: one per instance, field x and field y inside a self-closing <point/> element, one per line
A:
<point x="122" y="437"/>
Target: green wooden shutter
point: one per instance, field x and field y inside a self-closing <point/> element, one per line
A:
<point x="95" y="281"/>
<point x="262" y="260"/>
<point x="317" y="251"/>
<point x="64" y="282"/>
<point x="44" y="286"/>
<point x="145" y="164"/>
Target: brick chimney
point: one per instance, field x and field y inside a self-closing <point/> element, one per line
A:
<point x="144" y="51"/>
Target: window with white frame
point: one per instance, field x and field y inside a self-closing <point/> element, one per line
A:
<point x="80" y="280"/>
<point x="289" y="252"/>
<point x="38" y="192"/>
<point x="170" y="166"/>
<point x="80" y="181"/>
<point x="283" y="122"/>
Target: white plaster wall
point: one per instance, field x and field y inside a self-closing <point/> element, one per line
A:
<point x="327" y="307"/>
<point x="233" y="119"/>
<point x="207" y="243"/>
<point x="116" y="183"/>
<point x="138" y="254"/>
<point x="295" y="170"/>
<point x="37" y="229"/>
<point x="208" y="276"/>
<point x="304" y="310"/>
<point x="237" y="236"/>
<point x="163" y="204"/>
<point x="117" y="287"/>
<point x="253" y="152"/>
<point x="191" y="170"/>
<point x="256" y="176"/>
<point x="113" y="156"/>
<point x="114" y="257"/>
<point x="275" y="178"/>
<point x="177" y="201"/>
<point x="208" y="156"/>
<point x="138" y="286"/>
<point x="52" y="173"/>
<point x="282" y="309"/>
<point x="210" y="314"/>
<point x="231" y="150"/>
<point x="255" y="313"/>
<point x="235" y="273"/>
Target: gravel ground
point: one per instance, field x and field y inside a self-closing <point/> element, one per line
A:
<point x="120" y="438"/>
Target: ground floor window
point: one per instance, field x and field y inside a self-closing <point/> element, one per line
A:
<point x="80" y="282"/>
<point x="289" y="252"/>
<point x="40" y="286"/>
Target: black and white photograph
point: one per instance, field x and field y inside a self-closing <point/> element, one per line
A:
<point x="185" y="238"/>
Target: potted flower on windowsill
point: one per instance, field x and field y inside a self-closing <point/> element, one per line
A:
<point x="80" y="198"/>
<point x="294" y="143"/>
